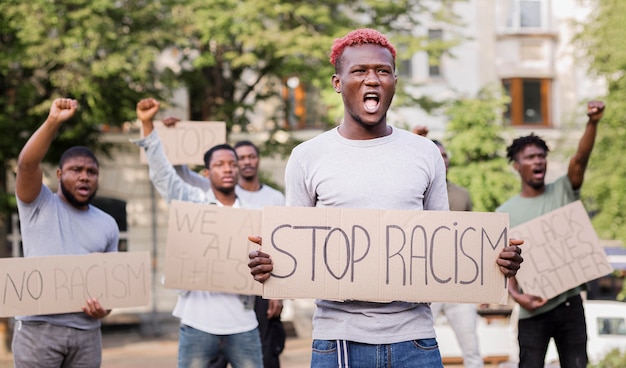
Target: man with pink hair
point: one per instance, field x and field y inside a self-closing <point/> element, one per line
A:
<point x="366" y="163"/>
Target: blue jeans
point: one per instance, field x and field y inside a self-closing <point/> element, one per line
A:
<point x="566" y="324"/>
<point x="197" y="348"/>
<point x="422" y="353"/>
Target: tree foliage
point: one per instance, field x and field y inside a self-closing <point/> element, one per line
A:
<point x="231" y="55"/>
<point x="476" y="147"/>
<point x="614" y="358"/>
<point x="242" y="53"/>
<point x="601" y="43"/>
<point x="99" y="52"/>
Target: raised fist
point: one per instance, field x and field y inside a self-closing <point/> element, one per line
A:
<point x="147" y="108"/>
<point x="170" y="121"/>
<point x="421" y="130"/>
<point x="595" y="110"/>
<point x="62" y="109"/>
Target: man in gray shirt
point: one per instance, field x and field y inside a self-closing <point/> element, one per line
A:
<point x="366" y="163"/>
<point x="61" y="223"/>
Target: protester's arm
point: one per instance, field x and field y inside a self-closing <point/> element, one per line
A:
<point x="510" y="258"/>
<point x="578" y="162"/>
<point x="275" y="307"/>
<point x="94" y="310"/>
<point x="29" y="175"/>
<point x="162" y="174"/>
<point x="421" y="130"/>
<point x="191" y="177"/>
<point x="170" y="121"/>
<point x="260" y="263"/>
<point x="146" y="110"/>
<point x="526" y="301"/>
<point x="184" y="172"/>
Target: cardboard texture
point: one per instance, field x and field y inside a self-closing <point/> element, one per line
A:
<point x="561" y="251"/>
<point x="207" y="248"/>
<point x="186" y="143"/>
<point x="385" y="255"/>
<point x="62" y="284"/>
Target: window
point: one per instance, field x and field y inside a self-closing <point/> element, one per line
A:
<point x="404" y="61"/>
<point x="525" y="14"/>
<point x="611" y="326"/>
<point x="294" y="97"/>
<point x="529" y="103"/>
<point x="405" y="68"/>
<point x="117" y="209"/>
<point x="434" y="59"/>
<point x="303" y="107"/>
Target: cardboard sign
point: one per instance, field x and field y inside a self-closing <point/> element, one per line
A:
<point x="561" y="251"/>
<point x="62" y="284"/>
<point x="186" y="143"/>
<point x="207" y="248"/>
<point x="385" y="255"/>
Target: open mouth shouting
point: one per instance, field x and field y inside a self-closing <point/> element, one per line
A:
<point x="539" y="173"/>
<point x="83" y="190"/>
<point x="371" y="102"/>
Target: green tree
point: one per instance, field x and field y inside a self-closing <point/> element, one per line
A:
<point x="99" y="52"/>
<point x="476" y="147"/>
<point x="239" y="52"/>
<point x="615" y="358"/>
<point x="601" y="43"/>
<point x="232" y="55"/>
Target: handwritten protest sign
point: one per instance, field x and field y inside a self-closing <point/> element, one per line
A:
<point x="561" y="250"/>
<point x="62" y="284"/>
<point x="385" y="255"/>
<point x="207" y="248"/>
<point x="186" y="143"/>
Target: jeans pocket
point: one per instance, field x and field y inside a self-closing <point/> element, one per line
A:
<point x="426" y="344"/>
<point x="324" y="346"/>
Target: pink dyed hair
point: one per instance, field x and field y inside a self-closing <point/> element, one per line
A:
<point x="359" y="37"/>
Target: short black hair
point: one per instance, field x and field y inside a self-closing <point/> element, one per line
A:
<point x="209" y="154"/>
<point x="244" y="143"/>
<point x="520" y="143"/>
<point x="77" y="151"/>
<point x="438" y="143"/>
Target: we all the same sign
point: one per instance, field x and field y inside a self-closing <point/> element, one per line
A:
<point x="207" y="248"/>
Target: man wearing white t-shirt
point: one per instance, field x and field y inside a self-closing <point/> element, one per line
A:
<point x="212" y="323"/>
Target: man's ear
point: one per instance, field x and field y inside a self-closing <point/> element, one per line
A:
<point x="336" y="81"/>
<point x="58" y="174"/>
<point x="516" y="166"/>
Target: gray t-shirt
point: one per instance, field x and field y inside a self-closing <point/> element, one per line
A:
<point x="53" y="227"/>
<point x="523" y="209"/>
<point x="266" y="196"/>
<point x="401" y="171"/>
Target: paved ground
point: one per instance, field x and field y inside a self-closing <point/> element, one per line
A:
<point x="127" y="346"/>
<point x="154" y="345"/>
<point x="126" y="349"/>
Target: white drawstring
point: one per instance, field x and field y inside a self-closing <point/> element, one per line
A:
<point x="342" y="354"/>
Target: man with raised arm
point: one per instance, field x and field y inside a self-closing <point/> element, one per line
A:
<point x="561" y="317"/>
<point x="211" y="323"/>
<point x="61" y="223"/>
